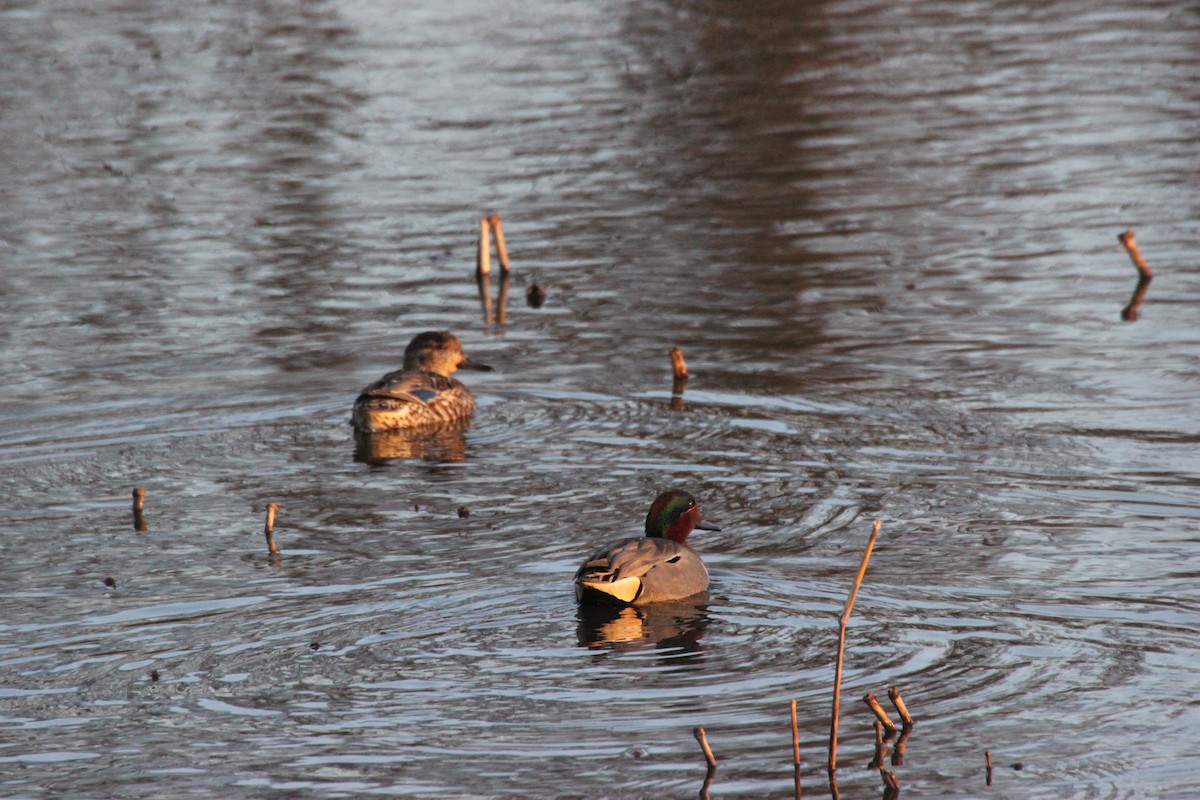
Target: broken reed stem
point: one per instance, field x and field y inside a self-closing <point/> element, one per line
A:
<point x="837" y="677"/>
<point x="795" y="738"/>
<point x="678" y="365"/>
<point x="987" y="755"/>
<point x="708" y="753"/>
<point x="1130" y="312"/>
<point x="901" y="709"/>
<point x="483" y="255"/>
<point x="679" y="372"/>
<point x="269" y="529"/>
<point x="501" y="251"/>
<point x="880" y="714"/>
<point x="796" y="749"/>
<point x="139" y="502"/>
<point x="1129" y="242"/>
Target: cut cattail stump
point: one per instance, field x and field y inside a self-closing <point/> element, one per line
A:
<point x="493" y="221"/>
<point x="901" y="709"/>
<point x="987" y="756"/>
<point x="483" y="254"/>
<point x="679" y="371"/>
<point x="139" y="502"/>
<point x="796" y="749"/>
<point x="880" y="714"/>
<point x="837" y="675"/>
<point x="708" y="753"/>
<point x="1129" y="242"/>
<point x="269" y="529"/>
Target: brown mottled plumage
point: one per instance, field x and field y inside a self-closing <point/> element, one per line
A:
<point x="660" y="566"/>
<point x="421" y="393"/>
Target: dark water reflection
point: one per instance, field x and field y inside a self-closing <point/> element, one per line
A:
<point x="884" y="236"/>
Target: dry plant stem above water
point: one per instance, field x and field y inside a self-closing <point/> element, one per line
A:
<point x="678" y="371"/>
<point x="880" y="714"/>
<point x="678" y="365"/>
<point x="1129" y="242"/>
<point x="901" y="709"/>
<point x="139" y="502"/>
<point x="837" y="677"/>
<point x="987" y="756"/>
<point x="1135" y="254"/>
<point x="483" y="253"/>
<point x="796" y="749"/>
<point x="501" y="250"/>
<point x="708" y="753"/>
<point x="269" y="528"/>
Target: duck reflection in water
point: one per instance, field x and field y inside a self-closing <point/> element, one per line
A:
<point x="438" y="444"/>
<point x="677" y="625"/>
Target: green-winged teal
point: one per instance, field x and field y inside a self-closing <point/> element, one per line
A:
<point x="659" y="566"/>
<point x="422" y="392"/>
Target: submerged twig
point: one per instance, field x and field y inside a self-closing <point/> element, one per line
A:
<point x="269" y="528"/>
<point x="837" y="678"/>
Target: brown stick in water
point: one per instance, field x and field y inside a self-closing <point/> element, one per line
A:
<point x="483" y="254"/>
<point x="139" y="502"/>
<point x="898" y="702"/>
<point x="837" y="677"/>
<point x="796" y="749"/>
<point x="708" y="753"/>
<point x="501" y="250"/>
<point x="269" y="529"/>
<point x="880" y="714"/>
<point x="987" y="755"/>
<point x="1129" y="242"/>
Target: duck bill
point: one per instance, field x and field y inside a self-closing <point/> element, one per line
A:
<point x="467" y="363"/>
<point x="706" y="526"/>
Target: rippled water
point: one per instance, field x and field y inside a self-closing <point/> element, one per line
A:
<point x="884" y="236"/>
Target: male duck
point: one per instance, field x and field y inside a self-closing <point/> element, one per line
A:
<point x="421" y="393"/>
<point x="659" y="567"/>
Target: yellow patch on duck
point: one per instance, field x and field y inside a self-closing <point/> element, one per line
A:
<point x="624" y="590"/>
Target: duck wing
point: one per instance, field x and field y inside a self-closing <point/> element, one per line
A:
<point x="619" y="568"/>
<point x="411" y="386"/>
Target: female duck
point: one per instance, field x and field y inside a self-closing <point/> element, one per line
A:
<point x="659" y="567"/>
<point x="422" y="392"/>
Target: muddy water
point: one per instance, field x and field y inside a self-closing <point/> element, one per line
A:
<point x="884" y="236"/>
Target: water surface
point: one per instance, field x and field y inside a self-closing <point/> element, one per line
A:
<point x="884" y="236"/>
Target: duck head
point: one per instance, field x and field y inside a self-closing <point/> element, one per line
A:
<point x="673" y="515"/>
<point x="439" y="352"/>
